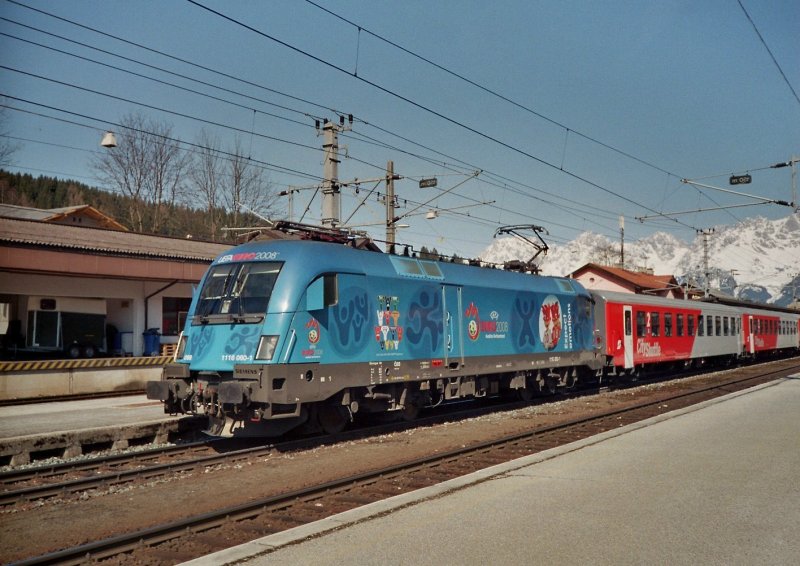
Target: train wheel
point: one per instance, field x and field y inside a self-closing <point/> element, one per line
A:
<point x="332" y="418"/>
<point x="525" y="394"/>
<point x="74" y="351"/>
<point x="89" y="351"/>
<point x="410" y="412"/>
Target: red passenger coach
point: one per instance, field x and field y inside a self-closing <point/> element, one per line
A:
<point x="768" y="332"/>
<point x="642" y="331"/>
<point x="638" y="331"/>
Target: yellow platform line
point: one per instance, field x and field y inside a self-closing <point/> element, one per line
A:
<point x="38" y="365"/>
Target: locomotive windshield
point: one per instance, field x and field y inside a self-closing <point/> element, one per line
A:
<point x="237" y="291"/>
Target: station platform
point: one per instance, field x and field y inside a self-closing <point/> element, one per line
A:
<point x="717" y="483"/>
<point x="68" y="428"/>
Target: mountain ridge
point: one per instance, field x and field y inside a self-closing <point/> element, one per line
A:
<point x="755" y="259"/>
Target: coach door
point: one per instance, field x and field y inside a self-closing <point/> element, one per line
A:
<point x="451" y="318"/>
<point x="627" y="339"/>
<point x="751" y="344"/>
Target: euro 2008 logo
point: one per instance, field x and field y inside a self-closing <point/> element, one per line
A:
<point x="313" y="331"/>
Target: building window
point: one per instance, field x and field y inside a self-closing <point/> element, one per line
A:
<point x="173" y="314"/>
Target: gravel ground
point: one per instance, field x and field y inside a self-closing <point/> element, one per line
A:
<point x="59" y="523"/>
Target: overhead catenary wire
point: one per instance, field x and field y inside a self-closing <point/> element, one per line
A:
<point x="563" y="207"/>
<point x="519" y="192"/>
<point x="764" y="43"/>
<point x="426" y="108"/>
<point x="184" y="88"/>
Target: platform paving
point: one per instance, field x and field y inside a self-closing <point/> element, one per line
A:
<point x="717" y="483"/>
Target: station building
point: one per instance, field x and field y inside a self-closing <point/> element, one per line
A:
<point x="77" y="260"/>
<point x="594" y="276"/>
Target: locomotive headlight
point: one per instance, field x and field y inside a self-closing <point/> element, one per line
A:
<point x="266" y="347"/>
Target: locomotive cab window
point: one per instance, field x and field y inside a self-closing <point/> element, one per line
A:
<point x="236" y="290"/>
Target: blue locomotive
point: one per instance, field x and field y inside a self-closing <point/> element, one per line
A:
<point x="283" y="333"/>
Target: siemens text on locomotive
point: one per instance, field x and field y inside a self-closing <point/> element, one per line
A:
<point x="283" y="333"/>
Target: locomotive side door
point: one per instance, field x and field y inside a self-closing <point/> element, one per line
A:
<point x="451" y="318"/>
<point x="627" y="335"/>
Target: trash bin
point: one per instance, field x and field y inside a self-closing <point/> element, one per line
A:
<point x="152" y="342"/>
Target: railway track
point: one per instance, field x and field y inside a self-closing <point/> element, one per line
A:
<point x="198" y="535"/>
<point x="70" y="478"/>
<point x="74" y="477"/>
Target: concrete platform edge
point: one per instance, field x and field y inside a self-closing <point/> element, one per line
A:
<point x="19" y="448"/>
<point x="270" y="543"/>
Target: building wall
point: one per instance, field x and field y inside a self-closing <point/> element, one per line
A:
<point x="125" y="300"/>
<point x="592" y="280"/>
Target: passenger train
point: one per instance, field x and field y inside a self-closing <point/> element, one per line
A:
<point x="298" y="332"/>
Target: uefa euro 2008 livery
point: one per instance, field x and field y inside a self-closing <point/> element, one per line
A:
<point x="284" y="333"/>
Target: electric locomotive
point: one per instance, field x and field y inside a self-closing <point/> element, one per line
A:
<point x="284" y="333"/>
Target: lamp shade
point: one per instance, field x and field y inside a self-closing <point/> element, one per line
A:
<point x="109" y="140"/>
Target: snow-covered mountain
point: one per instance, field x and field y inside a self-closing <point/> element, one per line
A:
<point x="756" y="259"/>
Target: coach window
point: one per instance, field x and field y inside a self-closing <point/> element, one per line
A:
<point x="717" y="326"/>
<point x="668" y="324"/>
<point x="628" y="323"/>
<point x="655" y="324"/>
<point x="710" y="325"/>
<point x="641" y="323"/>
<point x="700" y="326"/>
<point x="690" y="325"/>
<point x="726" y="329"/>
<point x="680" y="325"/>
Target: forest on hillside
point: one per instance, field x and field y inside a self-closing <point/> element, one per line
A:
<point x="180" y="220"/>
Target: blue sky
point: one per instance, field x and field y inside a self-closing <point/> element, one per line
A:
<point x="613" y="102"/>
